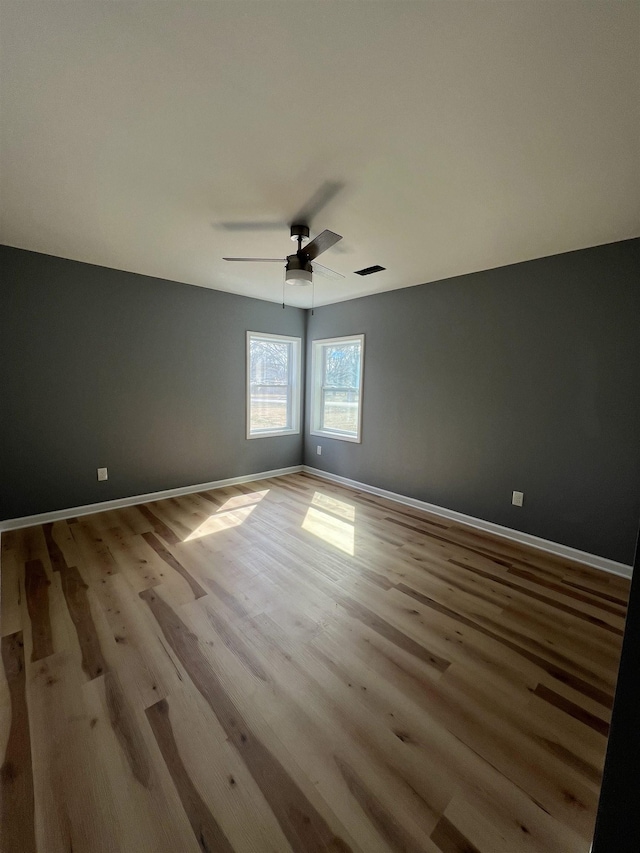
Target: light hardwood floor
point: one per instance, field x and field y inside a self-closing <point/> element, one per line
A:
<point x="292" y="665"/>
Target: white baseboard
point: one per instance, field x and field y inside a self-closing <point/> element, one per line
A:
<point x="506" y="532"/>
<point x="87" y="509"/>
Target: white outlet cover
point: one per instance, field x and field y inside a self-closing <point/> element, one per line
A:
<point x="319" y="449"/>
<point x="102" y="474"/>
<point x="517" y="498"/>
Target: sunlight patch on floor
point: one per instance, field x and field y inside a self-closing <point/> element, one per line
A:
<point x="334" y="506"/>
<point x="334" y="531"/>
<point x="243" y="500"/>
<point x="232" y="513"/>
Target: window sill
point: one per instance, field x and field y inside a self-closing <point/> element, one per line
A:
<point x="273" y="433"/>
<point x="355" y="439"/>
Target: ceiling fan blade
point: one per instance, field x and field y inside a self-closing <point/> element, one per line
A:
<point x="258" y="260"/>
<point x="326" y="272"/>
<point x="320" y="199"/>
<point x="321" y="243"/>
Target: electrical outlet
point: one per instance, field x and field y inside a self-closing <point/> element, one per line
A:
<point x="102" y="474"/>
<point x="319" y="449"/>
<point x="517" y="498"/>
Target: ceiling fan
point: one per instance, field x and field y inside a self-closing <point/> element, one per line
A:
<point x="300" y="266"/>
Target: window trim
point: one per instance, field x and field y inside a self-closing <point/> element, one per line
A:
<point x="295" y="374"/>
<point x="316" y="388"/>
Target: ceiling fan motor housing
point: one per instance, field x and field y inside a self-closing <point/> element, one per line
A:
<point x="300" y="232"/>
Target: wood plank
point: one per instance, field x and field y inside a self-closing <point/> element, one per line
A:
<point x="451" y="840"/>
<point x="75" y="593"/>
<point x="17" y="828"/>
<point x="99" y="782"/>
<point x="220" y="777"/>
<point x="160" y="528"/>
<point x="310" y="727"/>
<point x="96" y="562"/>
<point x="392" y="830"/>
<point x="206" y="828"/>
<point x="36" y="590"/>
<point x="171" y="561"/>
<point x="145" y="668"/>
<point x="572" y="708"/>
<point x="305" y="828"/>
<point x="604" y="696"/>
<point x="438" y="717"/>
<point x="55" y="554"/>
<point x="133" y="557"/>
<point x="11" y="580"/>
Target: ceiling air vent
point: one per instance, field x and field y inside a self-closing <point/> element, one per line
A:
<point x="370" y="270"/>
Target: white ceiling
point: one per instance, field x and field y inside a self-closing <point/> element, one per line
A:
<point x="466" y="135"/>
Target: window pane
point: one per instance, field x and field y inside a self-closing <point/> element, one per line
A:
<point x="270" y="362"/>
<point x="273" y="382"/>
<point x="340" y="410"/>
<point x="269" y="407"/>
<point x="336" y="398"/>
<point x="342" y="365"/>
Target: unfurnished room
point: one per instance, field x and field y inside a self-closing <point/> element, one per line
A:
<point x="319" y="426"/>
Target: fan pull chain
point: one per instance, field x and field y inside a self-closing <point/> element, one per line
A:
<point x="313" y="295"/>
<point x="283" y="292"/>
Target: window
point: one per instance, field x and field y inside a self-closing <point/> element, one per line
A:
<point x="336" y="399"/>
<point x="273" y="385"/>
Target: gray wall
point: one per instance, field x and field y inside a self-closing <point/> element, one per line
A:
<point x="105" y="368"/>
<point x="525" y="377"/>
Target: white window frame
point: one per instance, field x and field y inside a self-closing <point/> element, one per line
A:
<point x="317" y="362"/>
<point x="294" y="385"/>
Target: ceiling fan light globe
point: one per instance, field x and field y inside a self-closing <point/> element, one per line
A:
<point x="298" y="278"/>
